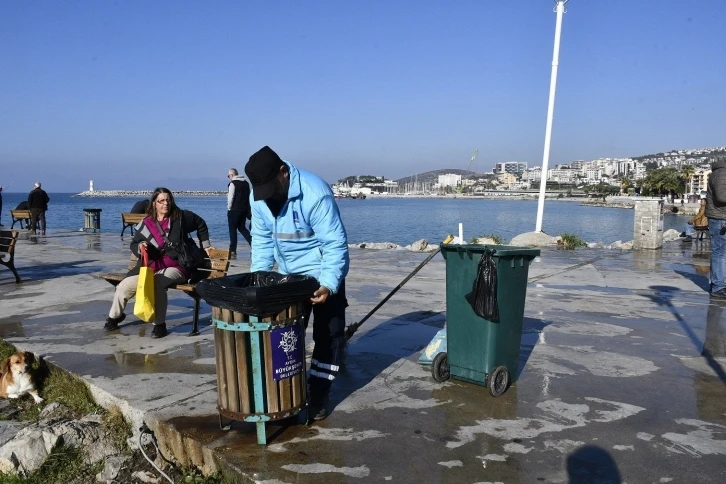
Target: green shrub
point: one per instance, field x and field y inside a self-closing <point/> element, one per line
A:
<point x="571" y="241"/>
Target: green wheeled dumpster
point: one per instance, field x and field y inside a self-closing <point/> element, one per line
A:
<point x="480" y="350"/>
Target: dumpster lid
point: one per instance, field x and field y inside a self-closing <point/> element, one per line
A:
<point x="499" y="250"/>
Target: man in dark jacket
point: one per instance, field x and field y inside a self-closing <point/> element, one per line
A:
<point x="716" y="213"/>
<point x="238" y="209"/>
<point x="140" y="207"/>
<point x="38" y="204"/>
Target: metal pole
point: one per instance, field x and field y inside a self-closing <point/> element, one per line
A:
<point x="560" y="9"/>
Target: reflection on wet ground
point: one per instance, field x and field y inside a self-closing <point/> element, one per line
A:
<point x="621" y="362"/>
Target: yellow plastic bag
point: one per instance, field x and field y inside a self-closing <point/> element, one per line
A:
<point x="144" y="305"/>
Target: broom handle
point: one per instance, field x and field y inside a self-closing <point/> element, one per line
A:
<point x="353" y="327"/>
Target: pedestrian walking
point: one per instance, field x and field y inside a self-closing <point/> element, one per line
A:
<point x="296" y="223"/>
<point x="716" y="214"/>
<point x="38" y="205"/>
<point x="238" y="209"/>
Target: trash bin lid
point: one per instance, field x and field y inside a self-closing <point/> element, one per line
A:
<point x="499" y="250"/>
<point x="92" y="209"/>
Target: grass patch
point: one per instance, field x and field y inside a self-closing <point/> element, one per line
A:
<point x="64" y="466"/>
<point x="54" y="385"/>
<point x="496" y="238"/>
<point x="571" y="241"/>
<point x="118" y="428"/>
<point x="59" y="386"/>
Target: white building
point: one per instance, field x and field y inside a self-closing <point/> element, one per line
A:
<point x="449" y="180"/>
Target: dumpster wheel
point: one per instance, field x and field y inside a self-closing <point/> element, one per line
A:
<point x="440" y="368"/>
<point x="498" y="381"/>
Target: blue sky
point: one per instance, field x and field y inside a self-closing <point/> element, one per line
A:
<point x="133" y="94"/>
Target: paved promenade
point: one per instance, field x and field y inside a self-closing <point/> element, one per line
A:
<point x="623" y="372"/>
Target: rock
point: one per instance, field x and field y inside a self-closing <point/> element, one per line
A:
<point x="31" y="446"/>
<point x="533" y="239"/>
<point x="627" y="245"/>
<point x="9" y="429"/>
<point x="671" y="234"/>
<point x="419" y="245"/>
<point x="594" y="245"/>
<point x="111" y="468"/>
<point x="54" y="411"/>
<point x="145" y="476"/>
<point x="377" y="245"/>
<point x="7" y="410"/>
<point x="88" y="433"/>
<point x="618" y="244"/>
<point x="25" y="453"/>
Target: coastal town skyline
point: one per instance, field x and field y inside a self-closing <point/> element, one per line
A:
<point x="176" y="93"/>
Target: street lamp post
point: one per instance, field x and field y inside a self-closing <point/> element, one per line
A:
<point x="559" y="9"/>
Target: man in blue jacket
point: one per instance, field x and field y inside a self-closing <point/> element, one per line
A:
<point x="296" y="223"/>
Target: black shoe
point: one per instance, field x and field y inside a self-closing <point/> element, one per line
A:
<point x="687" y="238"/>
<point x="232" y="254"/>
<point x="682" y="234"/>
<point x="159" y="331"/>
<point x="112" y="323"/>
<point x="719" y="294"/>
<point x="317" y="411"/>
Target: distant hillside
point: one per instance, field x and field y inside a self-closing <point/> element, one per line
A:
<point x="433" y="176"/>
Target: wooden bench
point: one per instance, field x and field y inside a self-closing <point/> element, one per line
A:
<point x="220" y="265"/>
<point x="130" y="220"/>
<point x="20" y="216"/>
<point x="7" y="249"/>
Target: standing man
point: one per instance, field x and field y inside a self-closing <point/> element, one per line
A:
<point x="38" y="204"/>
<point x="238" y="209"/>
<point x="296" y="223"/>
<point x="716" y="213"/>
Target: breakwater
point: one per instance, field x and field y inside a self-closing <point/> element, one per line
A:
<point x="146" y="193"/>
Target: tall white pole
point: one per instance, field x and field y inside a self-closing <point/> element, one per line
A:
<point x="560" y="9"/>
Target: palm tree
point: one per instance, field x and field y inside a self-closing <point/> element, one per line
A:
<point x="687" y="172"/>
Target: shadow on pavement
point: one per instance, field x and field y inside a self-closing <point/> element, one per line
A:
<point x="590" y="464"/>
<point x="714" y="345"/>
<point x="61" y="269"/>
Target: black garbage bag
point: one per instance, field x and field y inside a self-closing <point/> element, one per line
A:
<point x="259" y="293"/>
<point x="483" y="295"/>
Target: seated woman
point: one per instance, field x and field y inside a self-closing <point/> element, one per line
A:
<point x="164" y="228"/>
<point x="698" y="222"/>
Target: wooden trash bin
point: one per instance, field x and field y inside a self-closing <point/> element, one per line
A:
<point x="260" y="366"/>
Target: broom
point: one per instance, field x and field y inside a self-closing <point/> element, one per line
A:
<point x="351" y="329"/>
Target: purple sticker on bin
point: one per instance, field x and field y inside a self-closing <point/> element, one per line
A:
<point x="287" y="352"/>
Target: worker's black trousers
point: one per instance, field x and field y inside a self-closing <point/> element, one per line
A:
<point x="329" y="338"/>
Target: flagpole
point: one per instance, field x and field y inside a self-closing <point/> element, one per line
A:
<point x="559" y="9"/>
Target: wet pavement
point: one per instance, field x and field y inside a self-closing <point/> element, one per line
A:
<point x="622" y="372"/>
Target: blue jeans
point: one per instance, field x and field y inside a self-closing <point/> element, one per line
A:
<point x="718" y="254"/>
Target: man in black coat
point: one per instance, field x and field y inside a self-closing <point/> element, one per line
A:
<point x="38" y="205"/>
<point x="238" y="209"/>
<point x="140" y="207"/>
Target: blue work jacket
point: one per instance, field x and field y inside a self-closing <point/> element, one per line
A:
<point x="307" y="237"/>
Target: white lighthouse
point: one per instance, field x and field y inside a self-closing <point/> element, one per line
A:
<point x="90" y="188"/>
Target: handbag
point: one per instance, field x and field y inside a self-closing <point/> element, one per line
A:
<point x="144" y="304"/>
<point x="188" y="254"/>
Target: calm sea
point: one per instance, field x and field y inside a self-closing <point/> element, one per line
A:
<point x="398" y="220"/>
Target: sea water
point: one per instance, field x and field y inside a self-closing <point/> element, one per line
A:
<point x="398" y="220"/>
